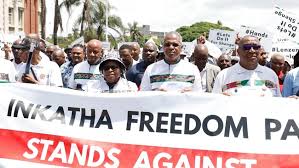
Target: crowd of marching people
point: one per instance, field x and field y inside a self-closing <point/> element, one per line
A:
<point x="249" y="70"/>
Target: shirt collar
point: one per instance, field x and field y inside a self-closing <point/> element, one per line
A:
<point x="240" y="69"/>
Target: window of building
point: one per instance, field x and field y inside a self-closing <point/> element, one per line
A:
<point x="10" y="16"/>
<point x="21" y="18"/>
<point x="11" y="29"/>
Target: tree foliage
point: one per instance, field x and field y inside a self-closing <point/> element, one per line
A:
<point x="189" y="33"/>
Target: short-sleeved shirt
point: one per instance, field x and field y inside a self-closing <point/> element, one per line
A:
<point x="237" y="80"/>
<point x="46" y="73"/>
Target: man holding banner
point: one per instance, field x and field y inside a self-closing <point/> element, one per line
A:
<point x="37" y="70"/>
<point x="247" y="77"/>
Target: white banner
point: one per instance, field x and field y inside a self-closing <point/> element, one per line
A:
<point x="286" y="24"/>
<point x="223" y="39"/>
<point x="264" y="35"/>
<point x="42" y="125"/>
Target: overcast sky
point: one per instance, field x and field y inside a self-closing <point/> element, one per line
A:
<point x="168" y="15"/>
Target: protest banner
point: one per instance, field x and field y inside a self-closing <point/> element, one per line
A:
<point x="285" y="24"/>
<point x="287" y="48"/>
<point x="264" y="35"/>
<point x="223" y="39"/>
<point x="42" y="127"/>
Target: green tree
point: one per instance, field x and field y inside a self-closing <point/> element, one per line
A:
<point x="189" y="33"/>
<point x="135" y="33"/>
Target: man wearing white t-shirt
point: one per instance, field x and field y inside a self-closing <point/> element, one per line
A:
<point x="87" y="70"/>
<point x="171" y="73"/>
<point x="41" y="71"/>
<point x="247" y="77"/>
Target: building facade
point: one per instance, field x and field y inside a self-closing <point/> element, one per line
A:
<point x="19" y="16"/>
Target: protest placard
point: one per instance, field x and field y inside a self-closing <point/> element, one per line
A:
<point x="264" y="35"/>
<point x="286" y="24"/>
<point x="223" y="39"/>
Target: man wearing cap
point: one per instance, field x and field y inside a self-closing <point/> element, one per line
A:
<point x="37" y="70"/>
<point x="87" y="70"/>
<point x="247" y="77"/>
<point x="149" y="55"/>
<point x="208" y="72"/>
<point x="114" y="81"/>
<point x="171" y="73"/>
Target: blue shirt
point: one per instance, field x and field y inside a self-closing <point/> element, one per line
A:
<point x="135" y="73"/>
<point x="291" y="83"/>
<point x="66" y="71"/>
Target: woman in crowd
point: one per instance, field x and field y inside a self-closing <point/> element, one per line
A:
<point x="113" y="81"/>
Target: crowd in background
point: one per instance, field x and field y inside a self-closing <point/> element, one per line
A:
<point x="248" y="70"/>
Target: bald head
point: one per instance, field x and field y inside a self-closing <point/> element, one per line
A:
<point x="200" y="55"/>
<point x="277" y="62"/>
<point x="135" y="51"/>
<point x="94" y="51"/>
<point x="58" y="56"/>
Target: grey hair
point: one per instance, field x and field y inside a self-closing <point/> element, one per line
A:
<point x="175" y="33"/>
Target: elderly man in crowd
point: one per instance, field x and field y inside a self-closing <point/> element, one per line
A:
<point x="149" y="55"/>
<point x="277" y="64"/>
<point x="208" y="72"/>
<point x="135" y="51"/>
<point x="171" y="74"/>
<point x="59" y="57"/>
<point x="224" y="61"/>
<point x="41" y="71"/>
<point x="89" y="69"/>
<point x="247" y="77"/>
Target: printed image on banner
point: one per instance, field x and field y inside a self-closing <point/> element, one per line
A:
<point x="223" y="39"/>
<point x="286" y="24"/>
<point x="264" y="35"/>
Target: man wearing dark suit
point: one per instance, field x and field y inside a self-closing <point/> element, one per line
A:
<point x="208" y="71"/>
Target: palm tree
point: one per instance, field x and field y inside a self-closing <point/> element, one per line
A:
<point x="57" y="14"/>
<point x="94" y="16"/>
<point x="43" y="18"/>
<point x="134" y="31"/>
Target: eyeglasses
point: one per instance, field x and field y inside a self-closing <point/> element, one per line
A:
<point x="171" y="44"/>
<point x="106" y="68"/>
<point x="248" y="47"/>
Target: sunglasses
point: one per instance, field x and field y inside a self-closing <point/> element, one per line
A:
<point x="171" y="44"/>
<point x="248" y="47"/>
<point x="106" y="68"/>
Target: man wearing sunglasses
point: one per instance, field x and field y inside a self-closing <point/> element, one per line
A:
<point x="247" y="77"/>
<point x="171" y="74"/>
